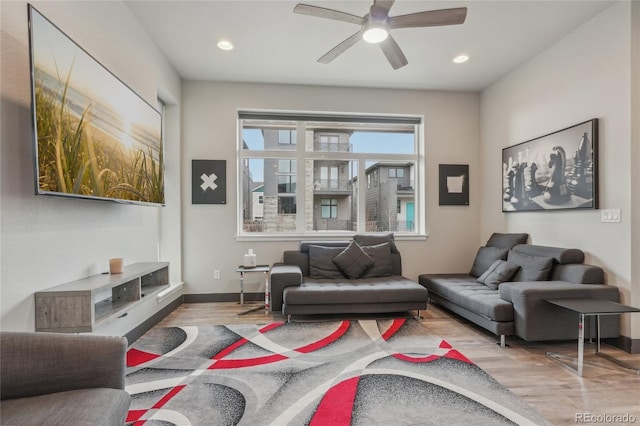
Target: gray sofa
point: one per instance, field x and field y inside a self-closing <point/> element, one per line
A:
<point x="62" y="379"/>
<point x="310" y="282"/>
<point x="515" y="280"/>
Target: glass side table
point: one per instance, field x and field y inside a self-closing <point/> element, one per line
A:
<point x="260" y="268"/>
<point x="590" y="307"/>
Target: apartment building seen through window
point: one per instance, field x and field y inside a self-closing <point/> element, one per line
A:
<point x="309" y="173"/>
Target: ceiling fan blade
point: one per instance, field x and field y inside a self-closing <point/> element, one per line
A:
<point x="393" y="53"/>
<point x="339" y="49"/>
<point x="431" y="18"/>
<point x="383" y="6"/>
<point x="321" y="12"/>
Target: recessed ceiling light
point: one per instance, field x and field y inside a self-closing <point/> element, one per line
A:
<point x="225" y="45"/>
<point x="460" y="59"/>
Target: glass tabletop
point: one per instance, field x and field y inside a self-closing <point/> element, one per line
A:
<point x="258" y="268"/>
<point x="593" y="306"/>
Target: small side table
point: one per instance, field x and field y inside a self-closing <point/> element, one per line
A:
<point x="260" y="268"/>
<point x="591" y="307"/>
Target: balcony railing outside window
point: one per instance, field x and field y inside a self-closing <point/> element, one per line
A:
<point x="332" y="147"/>
<point x="332" y="184"/>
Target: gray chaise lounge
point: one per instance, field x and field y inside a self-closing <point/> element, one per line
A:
<point x="515" y="304"/>
<point x="62" y="379"/>
<point x="309" y="282"/>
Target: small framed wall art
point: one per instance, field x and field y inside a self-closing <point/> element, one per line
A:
<point x="208" y="182"/>
<point x="454" y="184"/>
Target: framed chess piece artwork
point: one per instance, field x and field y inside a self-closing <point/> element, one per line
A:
<point x="557" y="171"/>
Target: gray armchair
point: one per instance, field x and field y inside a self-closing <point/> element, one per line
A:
<point x="55" y="379"/>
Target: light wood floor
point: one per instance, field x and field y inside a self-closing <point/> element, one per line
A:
<point x="557" y="393"/>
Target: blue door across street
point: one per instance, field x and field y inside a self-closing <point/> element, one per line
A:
<point x="410" y="216"/>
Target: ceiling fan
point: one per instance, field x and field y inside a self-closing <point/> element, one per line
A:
<point x="375" y="26"/>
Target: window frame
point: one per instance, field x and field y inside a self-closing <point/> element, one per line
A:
<point x="303" y="152"/>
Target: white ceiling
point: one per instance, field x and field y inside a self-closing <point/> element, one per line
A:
<point x="274" y="45"/>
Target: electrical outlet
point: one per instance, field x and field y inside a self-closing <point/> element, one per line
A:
<point x="216" y="274"/>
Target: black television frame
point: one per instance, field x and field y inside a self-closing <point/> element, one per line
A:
<point x="119" y="155"/>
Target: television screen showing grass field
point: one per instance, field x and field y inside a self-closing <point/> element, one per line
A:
<point x="95" y="137"/>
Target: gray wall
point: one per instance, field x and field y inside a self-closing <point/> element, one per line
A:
<point x="210" y="131"/>
<point x="47" y="241"/>
<point x="587" y="74"/>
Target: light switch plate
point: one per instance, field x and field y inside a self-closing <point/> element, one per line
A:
<point x="610" y="215"/>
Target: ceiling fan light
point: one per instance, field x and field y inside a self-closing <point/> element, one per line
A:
<point x="375" y="34"/>
<point x="461" y="59"/>
<point x="225" y="45"/>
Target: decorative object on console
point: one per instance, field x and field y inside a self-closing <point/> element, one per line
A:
<point x="453" y="184"/>
<point x="553" y="172"/>
<point x="208" y="182"/>
<point x="94" y="137"/>
<point x="116" y="265"/>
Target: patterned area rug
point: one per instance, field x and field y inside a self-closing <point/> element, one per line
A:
<point x="384" y="372"/>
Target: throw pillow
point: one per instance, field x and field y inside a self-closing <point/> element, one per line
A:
<point x="485" y="257"/>
<point x="507" y="241"/>
<point x="499" y="272"/>
<point x="375" y="239"/>
<point x="532" y="268"/>
<point x="381" y="256"/>
<point x="353" y="261"/>
<point x="321" y="262"/>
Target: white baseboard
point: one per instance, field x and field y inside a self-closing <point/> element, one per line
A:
<point x="168" y="292"/>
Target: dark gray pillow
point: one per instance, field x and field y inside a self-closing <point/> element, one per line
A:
<point x="500" y="271"/>
<point x="532" y="268"/>
<point x="353" y="261"/>
<point x="485" y="257"/>
<point x="321" y="262"/>
<point x="381" y="255"/>
<point x="375" y="239"/>
<point x="507" y="241"/>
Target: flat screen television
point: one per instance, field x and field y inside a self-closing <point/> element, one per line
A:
<point x="94" y="137"/>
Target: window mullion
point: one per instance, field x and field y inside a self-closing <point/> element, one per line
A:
<point x="301" y="191"/>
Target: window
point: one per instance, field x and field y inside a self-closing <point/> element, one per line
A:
<point x="329" y="143"/>
<point x="287" y="137"/>
<point x="346" y="173"/>
<point x="286" y="184"/>
<point x="396" y="173"/>
<point x="286" y="205"/>
<point x="329" y="208"/>
<point x="329" y="177"/>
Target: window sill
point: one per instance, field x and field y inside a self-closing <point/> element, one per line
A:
<point x="321" y="236"/>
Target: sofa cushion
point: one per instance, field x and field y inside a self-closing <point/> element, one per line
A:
<point x="375" y="239"/>
<point x="394" y="289"/>
<point x="381" y="256"/>
<point x="321" y="262"/>
<point x="499" y="272"/>
<point x="465" y="291"/>
<point x="353" y="261"/>
<point x="560" y="255"/>
<point x="507" y="241"/>
<point x="485" y="257"/>
<point x="532" y="268"/>
<point x="98" y="406"/>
